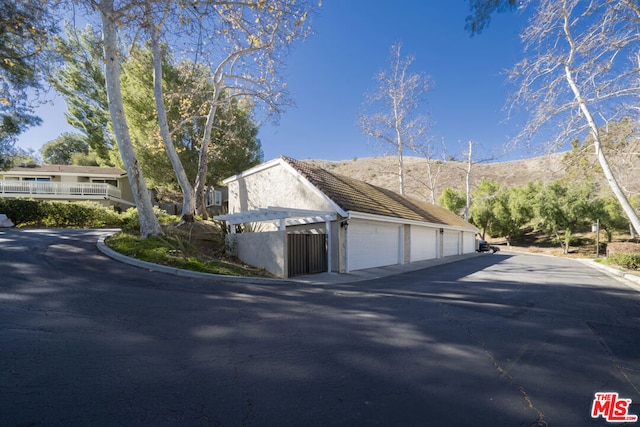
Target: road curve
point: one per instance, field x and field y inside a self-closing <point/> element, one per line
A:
<point x="505" y="339"/>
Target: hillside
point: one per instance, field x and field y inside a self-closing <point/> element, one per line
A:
<point x="382" y="171"/>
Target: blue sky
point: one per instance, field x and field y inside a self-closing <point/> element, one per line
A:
<point x="330" y="73"/>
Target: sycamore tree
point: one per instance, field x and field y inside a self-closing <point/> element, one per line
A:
<point x="234" y="148"/>
<point x="112" y="16"/>
<point x="620" y="140"/>
<point x="246" y="58"/>
<point x="394" y="111"/>
<point x="155" y="17"/>
<point x="242" y="43"/>
<point x="435" y="160"/>
<point x="580" y="72"/>
<point x="80" y="79"/>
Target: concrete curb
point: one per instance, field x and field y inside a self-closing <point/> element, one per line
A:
<point x="316" y="279"/>
<point x="107" y="251"/>
<point x="328" y="278"/>
<point x="631" y="280"/>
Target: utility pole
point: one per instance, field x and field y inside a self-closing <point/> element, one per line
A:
<point x="598" y="238"/>
<point x="468" y="180"/>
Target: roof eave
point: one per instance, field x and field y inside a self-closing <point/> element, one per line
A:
<point x="397" y="220"/>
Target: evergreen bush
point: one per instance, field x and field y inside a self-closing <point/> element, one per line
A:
<point x="625" y="259"/>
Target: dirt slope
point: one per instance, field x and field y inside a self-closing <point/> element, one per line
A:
<point x="382" y="171"/>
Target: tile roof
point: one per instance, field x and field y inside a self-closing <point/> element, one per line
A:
<point x="358" y="196"/>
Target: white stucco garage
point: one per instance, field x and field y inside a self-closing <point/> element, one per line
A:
<point x="365" y="226"/>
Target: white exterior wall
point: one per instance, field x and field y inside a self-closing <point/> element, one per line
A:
<point x="67" y="178"/>
<point x="266" y="250"/>
<point x="274" y="186"/>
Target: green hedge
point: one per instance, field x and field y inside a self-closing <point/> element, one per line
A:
<point x="41" y="213"/>
<point x="27" y="212"/>
<point x="626" y="260"/>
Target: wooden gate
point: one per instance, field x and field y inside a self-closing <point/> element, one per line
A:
<point x="307" y="253"/>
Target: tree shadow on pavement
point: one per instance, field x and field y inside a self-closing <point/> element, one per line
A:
<point x="495" y="340"/>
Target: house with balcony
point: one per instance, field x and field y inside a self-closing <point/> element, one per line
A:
<point x="108" y="186"/>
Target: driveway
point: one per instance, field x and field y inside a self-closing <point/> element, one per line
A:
<point x="496" y="340"/>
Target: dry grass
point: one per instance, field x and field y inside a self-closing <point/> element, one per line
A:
<point x="382" y="171"/>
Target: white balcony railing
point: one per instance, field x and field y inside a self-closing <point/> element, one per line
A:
<point x="55" y="190"/>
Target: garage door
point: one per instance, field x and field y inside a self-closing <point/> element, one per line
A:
<point x="451" y="242"/>
<point x="372" y="244"/>
<point x="424" y="243"/>
<point x="469" y="245"/>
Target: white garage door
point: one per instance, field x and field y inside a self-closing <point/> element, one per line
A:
<point x="451" y="242"/>
<point x="424" y="243"/>
<point x="469" y="245"/>
<point x="373" y="244"/>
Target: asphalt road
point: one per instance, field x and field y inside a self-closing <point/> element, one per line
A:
<point x="496" y="340"/>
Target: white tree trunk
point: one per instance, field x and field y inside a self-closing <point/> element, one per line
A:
<point x="203" y="159"/>
<point x="188" y="194"/>
<point x="401" y="168"/>
<point x="595" y="132"/>
<point x="149" y="224"/>
<point x="468" y="183"/>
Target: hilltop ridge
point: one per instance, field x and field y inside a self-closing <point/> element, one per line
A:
<point x="382" y="172"/>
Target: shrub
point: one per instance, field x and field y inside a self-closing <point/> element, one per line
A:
<point x="626" y="260"/>
<point x="25" y="212"/>
<point x="131" y="224"/>
<point x="22" y="211"/>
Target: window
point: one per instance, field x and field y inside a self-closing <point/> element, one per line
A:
<point x="214" y="198"/>
<point x="36" y="179"/>
<point x="106" y="181"/>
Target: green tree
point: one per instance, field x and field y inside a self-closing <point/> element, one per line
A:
<point x="562" y="209"/>
<point x="612" y="217"/>
<point x="235" y="146"/>
<point x="24" y="30"/>
<point x="79" y="78"/>
<point x="453" y="200"/>
<point x="512" y="210"/>
<point x="60" y="151"/>
<point x="481" y="212"/>
<point x="113" y="18"/>
<point x="579" y="73"/>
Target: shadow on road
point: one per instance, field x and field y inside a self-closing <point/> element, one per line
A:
<point x="498" y="340"/>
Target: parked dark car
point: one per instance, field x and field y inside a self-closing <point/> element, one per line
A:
<point x="483" y="246"/>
